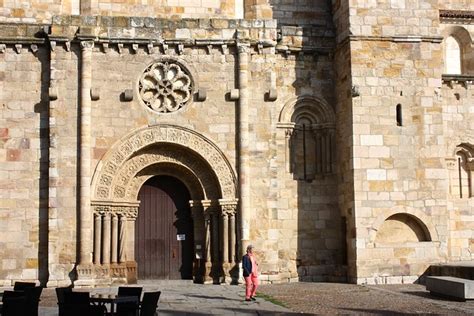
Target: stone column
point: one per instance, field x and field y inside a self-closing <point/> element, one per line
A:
<point x="97" y="237"/>
<point x="244" y="159"/>
<point x="114" y="236"/>
<point x="215" y="236"/>
<point x="225" y="237"/>
<point x="106" y="239"/>
<point x="122" y="238"/>
<point x="85" y="243"/>
<point x="229" y="208"/>
<point x="232" y="237"/>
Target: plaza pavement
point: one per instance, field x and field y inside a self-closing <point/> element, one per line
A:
<point x="187" y="298"/>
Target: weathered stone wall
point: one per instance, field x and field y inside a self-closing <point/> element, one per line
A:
<point x="23" y="168"/>
<point x="295" y="12"/>
<point x="40" y="11"/>
<point x="161" y="8"/>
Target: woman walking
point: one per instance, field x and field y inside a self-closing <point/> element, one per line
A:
<point x="250" y="266"/>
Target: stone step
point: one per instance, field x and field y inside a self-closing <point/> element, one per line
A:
<point x="450" y="286"/>
<point x="462" y="269"/>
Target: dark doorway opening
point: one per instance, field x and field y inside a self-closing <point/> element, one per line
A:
<point x="164" y="237"/>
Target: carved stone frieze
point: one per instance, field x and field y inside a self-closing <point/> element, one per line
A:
<point x="128" y="211"/>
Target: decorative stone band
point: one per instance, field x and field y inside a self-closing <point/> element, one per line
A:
<point x="456" y="16"/>
<point x="127" y="209"/>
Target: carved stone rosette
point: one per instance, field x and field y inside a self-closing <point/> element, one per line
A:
<point x="165" y="86"/>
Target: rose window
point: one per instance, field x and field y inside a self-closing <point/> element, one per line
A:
<point x="165" y="86"/>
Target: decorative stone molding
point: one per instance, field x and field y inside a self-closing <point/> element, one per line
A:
<point x="165" y="86"/>
<point x="104" y="179"/>
<point x="201" y="95"/>
<point x="128" y="95"/>
<point x="87" y="45"/>
<point x="234" y="94"/>
<point x="95" y="94"/>
<point x="18" y="48"/>
<point x="3" y="47"/>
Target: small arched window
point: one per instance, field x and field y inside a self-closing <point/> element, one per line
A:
<point x="452" y="62"/>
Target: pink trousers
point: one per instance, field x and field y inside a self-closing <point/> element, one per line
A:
<point x="251" y="284"/>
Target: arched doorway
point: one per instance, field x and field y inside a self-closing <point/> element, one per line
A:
<point x="164" y="237"/>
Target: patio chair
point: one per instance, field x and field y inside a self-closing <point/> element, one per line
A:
<point x="149" y="303"/>
<point x="14" y="303"/>
<point x="78" y="304"/>
<point x="21" y="286"/>
<point x="60" y="294"/>
<point x="32" y="300"/>
<point x="129" y="309"/>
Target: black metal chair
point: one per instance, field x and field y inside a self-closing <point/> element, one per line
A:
<point x="129" y="309"/>
<point x="14" y="303"/>
<point x="78" y="304"/>
<point x="32" y="299"/>
<point x="60" y="294"/>
<point x="21" y="286"/>
<point x="149" y="303"/>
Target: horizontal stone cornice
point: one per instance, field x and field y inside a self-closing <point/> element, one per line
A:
<point x="398" y="38"/>
<point x="456" y="16"/>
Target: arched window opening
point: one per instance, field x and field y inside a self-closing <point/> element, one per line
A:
<point x="310" y="138"/>
<point x="453" y="55"/>
<point x="461" y="169"/>
<point x="399" y="115"/>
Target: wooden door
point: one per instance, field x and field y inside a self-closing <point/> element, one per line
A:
<point x="164" y="243"/>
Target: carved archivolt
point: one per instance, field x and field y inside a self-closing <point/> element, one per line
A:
<point x="115" y="173"/>
<point x="190" y="169"/>
<point x="165" y="86"/>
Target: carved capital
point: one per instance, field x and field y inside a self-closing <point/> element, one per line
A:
<point x="87" y="45"/>
<point x="243" y="48"/>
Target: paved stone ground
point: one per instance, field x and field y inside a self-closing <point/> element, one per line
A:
<point x="186" y="298"/>
<point x="347" y="299"/>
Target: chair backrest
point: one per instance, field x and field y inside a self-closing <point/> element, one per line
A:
<point x="32" y="299"/>
<point x="60" y="293"/>
<point x="130" y="291"/>
<point x="76" y="298"/>
<point x="150" y="303"/>
<point x="21" y="286"/>
<point x="14" y="303"/>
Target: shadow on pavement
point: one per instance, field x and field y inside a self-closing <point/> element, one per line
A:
<point x="437" y="297"/>
<point x="222" y="311"/>
<point x="377" y="311"/>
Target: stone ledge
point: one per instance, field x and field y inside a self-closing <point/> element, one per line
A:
<point x="464" y="80"/>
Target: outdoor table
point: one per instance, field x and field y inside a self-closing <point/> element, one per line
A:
<point x="112" y="299"/>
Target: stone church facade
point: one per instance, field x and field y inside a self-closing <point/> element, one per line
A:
<point x="157" y="139"/>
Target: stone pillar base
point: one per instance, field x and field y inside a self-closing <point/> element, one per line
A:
<point x="92" y="275"/>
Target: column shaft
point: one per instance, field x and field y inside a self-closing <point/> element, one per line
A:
<point x="243" y="124"/>
<point x="232" y="237"/>
<point x="122" y="238"/>
<point x="225" y="238"/>
<point x="207" y="237"/>
<point x="97" y="237"/>
<point x="114" y="236"/>
<point x="215" y="237"/>
<point x="85" y="242"/>
<point x="106" y="239"/>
